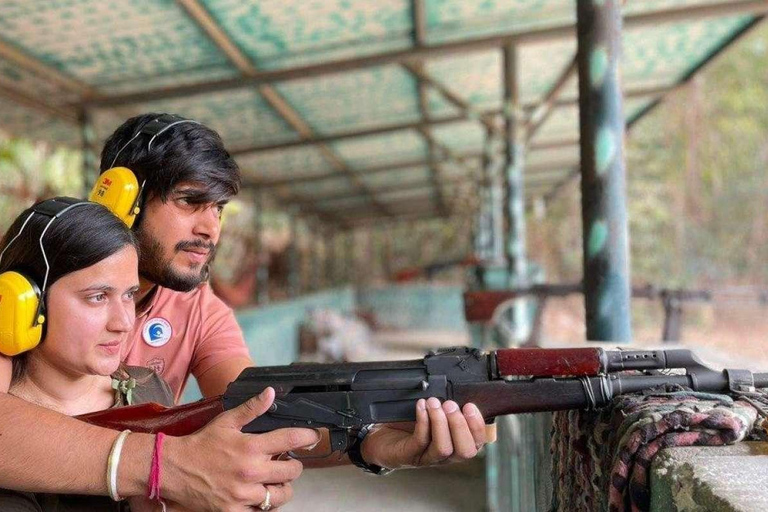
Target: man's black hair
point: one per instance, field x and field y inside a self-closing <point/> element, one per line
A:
<point x="186" y="152"/>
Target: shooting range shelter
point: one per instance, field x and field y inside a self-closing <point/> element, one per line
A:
<point x="361" y="114"/>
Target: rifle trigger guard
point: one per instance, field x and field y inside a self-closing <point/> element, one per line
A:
<point x="339" y="440"/>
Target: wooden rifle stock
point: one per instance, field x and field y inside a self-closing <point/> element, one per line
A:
<point x="152" y="418"/>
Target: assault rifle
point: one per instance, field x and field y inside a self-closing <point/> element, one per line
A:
<point x="347" y="396"/>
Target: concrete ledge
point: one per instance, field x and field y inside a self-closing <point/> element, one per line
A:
<point x="726" y="479"/>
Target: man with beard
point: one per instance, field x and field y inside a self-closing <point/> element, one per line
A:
<point x="188" y="177"/>
<point x="182" y="328"/>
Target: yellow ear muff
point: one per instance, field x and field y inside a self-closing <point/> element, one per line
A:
<point x="19" y="299"/>
<point x="118" y="189"/>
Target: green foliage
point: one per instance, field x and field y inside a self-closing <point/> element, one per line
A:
<point x="33" y="171"/>
<point x="696" y="182"/>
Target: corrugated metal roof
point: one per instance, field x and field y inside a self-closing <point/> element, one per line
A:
<point x="273" y="75"/>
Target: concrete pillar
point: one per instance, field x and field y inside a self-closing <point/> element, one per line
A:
<point x="603" y="181"/>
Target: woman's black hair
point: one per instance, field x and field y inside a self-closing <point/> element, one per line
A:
<point x="186" y="152"/>
<point x="80" y="238"/>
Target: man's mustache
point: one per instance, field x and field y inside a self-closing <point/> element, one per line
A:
<point x="195" y="244"/>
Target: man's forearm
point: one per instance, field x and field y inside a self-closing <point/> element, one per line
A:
<point x="44" y="451"/>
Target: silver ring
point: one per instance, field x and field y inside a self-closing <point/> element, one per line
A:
<point x="266" y="504"/>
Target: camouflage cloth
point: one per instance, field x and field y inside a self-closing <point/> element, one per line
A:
<point x="602" y="459"/>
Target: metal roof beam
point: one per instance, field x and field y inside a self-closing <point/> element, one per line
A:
<point x="401" y="207"/>
<point x="418" y="20"/>
<point x="467" y="110"/>
<point x="541" y="113"/>
<point x="271" y="95"/>
<point x="396" y="187"/>
<point x="412" y="203"/>
<point x="545" y="181"/>
<point x="366" y="171"/>
<point x="643" y="92"/>
<point x="542" y="177"/>
<point x="559" y="186"/>
<point x="465" y="158"/>
<point x="363" y="217"/>
<point x="16" y="96"/>
<point x="380" y="221"/>
<point x="352" y="134"/>
<point x="310" y="210"/>
<point x="668" y="15"/>
<point x="50" y="73"/>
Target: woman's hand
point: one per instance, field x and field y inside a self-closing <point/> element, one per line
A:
<point x="441" y="434"/>
<point x="221" y="469"/>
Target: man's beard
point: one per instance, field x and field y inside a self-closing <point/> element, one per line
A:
<point x="154" y="268"/>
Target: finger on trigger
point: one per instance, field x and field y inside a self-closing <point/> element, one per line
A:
<point x="286" y="440"/>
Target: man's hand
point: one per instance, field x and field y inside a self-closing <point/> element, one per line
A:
<point x="221" y="469"/>
<point x="441" y="434"/>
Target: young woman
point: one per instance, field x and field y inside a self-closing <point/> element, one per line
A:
<point x="86" y="260"/>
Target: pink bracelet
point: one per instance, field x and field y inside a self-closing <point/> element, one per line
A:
<point x="154" y="473"/>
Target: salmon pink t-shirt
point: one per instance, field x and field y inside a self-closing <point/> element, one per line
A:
<point x="183" y="333"/>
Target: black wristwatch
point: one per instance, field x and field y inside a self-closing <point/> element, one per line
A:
<point x="356" y="456"/>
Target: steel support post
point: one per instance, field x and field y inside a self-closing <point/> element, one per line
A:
<point x="514" y="195"/>
<point x="262" y="254"/>
<point x="603" y="181"/>
<point x="316" y="259"/>
<point x="294" y="263"/>
<point x="492" y="168"/>
<point x="386" y="233"/>
<point x="90" y="155"/>
<point x="370" y="266"/>
<point x="351" y="262"/>
<point x="329" y="245"/>
<point x="305" y="257"/>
